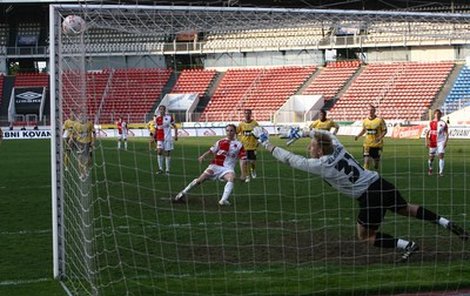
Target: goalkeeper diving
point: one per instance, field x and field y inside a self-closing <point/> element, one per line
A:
<point x="330" y="160"/>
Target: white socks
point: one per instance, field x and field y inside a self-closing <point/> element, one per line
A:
<point x="190" y="186"/>
<point x="167" y="163"/>
<point x="160" y="162"/>
<point x="441" y="166"/>
<point x="227" y="191"/>
<point x="443" y="222"/>
<point x="402" y="244"/>
<point x="125" y="145"/>
<point x="161" y="159"/>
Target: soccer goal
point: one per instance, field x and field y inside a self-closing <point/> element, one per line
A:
<point x="115" y="229"/>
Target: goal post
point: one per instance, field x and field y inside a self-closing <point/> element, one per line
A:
<point x="115" y="229"/>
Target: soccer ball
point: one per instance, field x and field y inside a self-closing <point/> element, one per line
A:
<point x="73" y="25"/>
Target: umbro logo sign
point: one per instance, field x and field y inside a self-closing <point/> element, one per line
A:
<point x="29" y="97"/>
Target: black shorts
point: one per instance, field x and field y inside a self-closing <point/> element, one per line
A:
<point x="251" y="154"/>
<point x="379" y="197"/>
<point x="373" y="152"/>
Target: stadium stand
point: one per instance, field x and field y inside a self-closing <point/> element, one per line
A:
<point x="229" y="92"/>
<point x="262" y="90"/>
<point x="264" y="38"/>
<point x="113" y="41"/>
<point x="399" y="90"/>
<point x="459" y="96"/>
<point x="32" y="80"/>
<point x="1" y="89"/>
<point x="132" y="93"/>
<point x="95" y="86"/>
<point x="4" y="35"/>
<point x="380" y="32"/>
<point x="332" y="78"/>
<point x="29" y="29"/>
<point x="194" y="81"/>
<point x="127" y="92"/>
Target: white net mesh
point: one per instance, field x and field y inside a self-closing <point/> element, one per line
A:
<point x="286" y="232"/>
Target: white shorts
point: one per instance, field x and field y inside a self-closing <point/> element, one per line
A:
<point x="440" y="149"/>
<point x="123" y="136"/>
<point x="165" y="145"/>
<point x="217" y="172"/>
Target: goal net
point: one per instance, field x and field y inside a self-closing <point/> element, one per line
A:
<point x="116" y="231"/>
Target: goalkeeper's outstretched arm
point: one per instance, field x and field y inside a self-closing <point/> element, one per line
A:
<point x="310" y="165"/>
<point x="295" y="133"/>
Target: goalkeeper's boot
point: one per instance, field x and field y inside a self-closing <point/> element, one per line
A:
<point x="224" y="202"/>
<point x="247" y="179"/>
<point x="459" y="231"/>
<point x="159" y="172"/>
<point x="430" y="172"/>
<point x="409" y="250"/>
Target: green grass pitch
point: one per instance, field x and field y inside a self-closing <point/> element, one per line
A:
<point x="286" y="233"/>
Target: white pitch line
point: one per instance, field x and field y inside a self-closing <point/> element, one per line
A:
<point x="23" y="232"/>
<point x="23" y="282"/>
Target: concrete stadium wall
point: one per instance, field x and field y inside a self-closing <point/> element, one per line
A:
<point x="432" y="54"/>
<point x="263" y="59"/>
<point x="415" y="54"/>
<point x="120" y="62"/>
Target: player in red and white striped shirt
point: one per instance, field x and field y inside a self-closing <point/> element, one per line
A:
<point x="437" y="135"/>
<point x="163" y="124"/>
<point x="227" y="152"/>
<point x="121" y="125"/>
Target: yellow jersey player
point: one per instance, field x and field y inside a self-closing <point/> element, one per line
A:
<point x="67" y="135"/>
<point x="324" y="123"/>
<point x="244" y="132"/>
<point x="151" y="129"/>
<point x="84" y="137"/>
<point x="375" y="129"/>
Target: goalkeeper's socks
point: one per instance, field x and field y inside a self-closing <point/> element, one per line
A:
<point x="383" y="240"/>
<point x="227" y="191"/>
<point x="443" y="222"/>
<point x="425" y="214"/>
<point x="402" y="244"/>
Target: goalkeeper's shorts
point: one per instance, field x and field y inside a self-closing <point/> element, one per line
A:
<point x="379" y="197"/>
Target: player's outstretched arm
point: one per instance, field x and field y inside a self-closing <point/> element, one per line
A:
<point x="293" y="160"/>
<point x="263" y="138"/>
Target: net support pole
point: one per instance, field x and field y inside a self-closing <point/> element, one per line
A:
<point x="57" y="243"/>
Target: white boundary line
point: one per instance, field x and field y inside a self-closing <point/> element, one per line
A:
<point x="22" y="282"/>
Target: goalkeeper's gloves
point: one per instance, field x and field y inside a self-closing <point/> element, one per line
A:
<point x="261" y="135"/>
